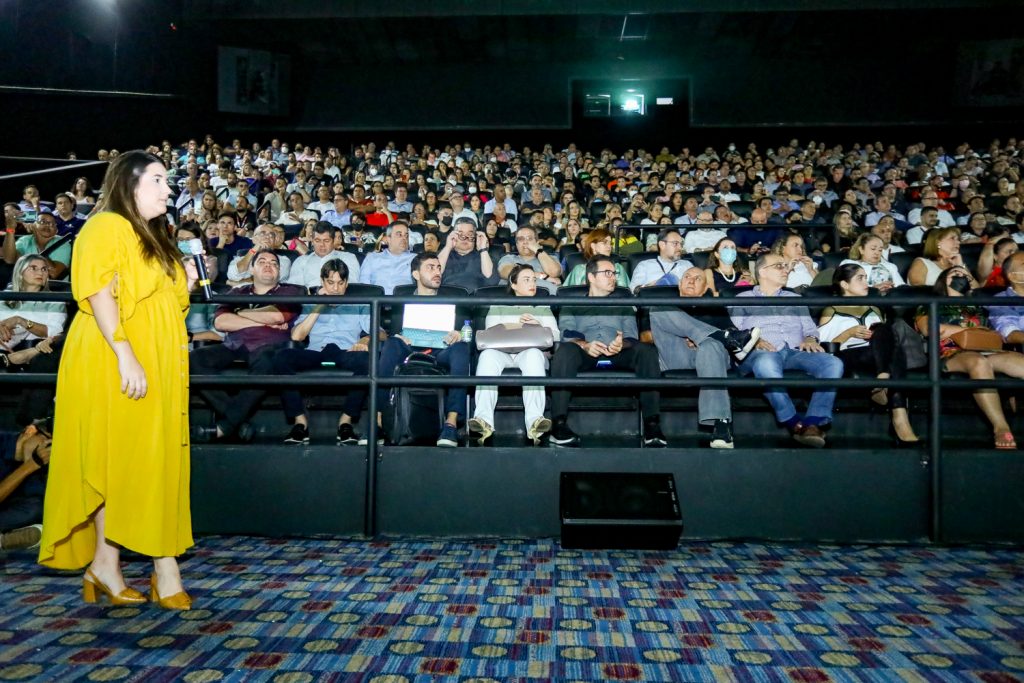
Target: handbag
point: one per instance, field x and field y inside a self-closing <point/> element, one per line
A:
<point x="912" y="343"/>
<point x="978" y="339"/>
<point x="514" y="337"/>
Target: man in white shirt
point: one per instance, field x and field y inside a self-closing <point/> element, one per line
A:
<point x="930" y="199"/>
<point x="459" y="210"/>
<point x="667" y="267"/>
<point x="239" y="269"/>
<point x="929" y="218"/>
<point x="305" y="271"/>
<point x="323" y="204"/>
<point x="501" y="197"/>
<point x="502" y="219"/>
<point x="704" y="236"/>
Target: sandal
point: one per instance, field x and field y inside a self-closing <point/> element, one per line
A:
<point x="1005" y="441"/>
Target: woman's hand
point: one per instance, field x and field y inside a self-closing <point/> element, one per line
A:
<point x="528" y="319"/>
<point x="133" y="377"/>
<point x="855" y="332"/>
<point x="191" y="273"/>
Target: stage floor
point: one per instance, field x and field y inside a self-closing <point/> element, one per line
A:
<point x="507" y="609"/>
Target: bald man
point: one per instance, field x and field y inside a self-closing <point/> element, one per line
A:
<point x="687" y="343"/>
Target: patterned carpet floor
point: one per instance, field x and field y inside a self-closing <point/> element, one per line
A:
<point x="517" y="610"/>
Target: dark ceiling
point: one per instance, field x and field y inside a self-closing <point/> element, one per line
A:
<point x="438" y="31"/>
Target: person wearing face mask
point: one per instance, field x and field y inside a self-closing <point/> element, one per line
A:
<point x="722" y="275"/>
<point x="956" y="317"/>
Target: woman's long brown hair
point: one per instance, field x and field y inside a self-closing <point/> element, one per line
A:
<point x="119" y="186"/>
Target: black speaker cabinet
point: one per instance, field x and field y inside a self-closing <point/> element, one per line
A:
<point x="619" y="510"/>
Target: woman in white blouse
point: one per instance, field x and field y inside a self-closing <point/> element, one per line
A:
<point x="28" y="321"/>
<point x="868" y="344"/>
<point x="522" y="281"/>
<point x="867" y="253"/>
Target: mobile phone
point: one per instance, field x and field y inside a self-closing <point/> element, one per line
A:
<point x="605" y="363"/>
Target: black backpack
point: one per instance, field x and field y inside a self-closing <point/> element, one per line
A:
<point x="413" y="415"/>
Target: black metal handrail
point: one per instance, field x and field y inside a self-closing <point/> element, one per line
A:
<point x="935" y="380"/>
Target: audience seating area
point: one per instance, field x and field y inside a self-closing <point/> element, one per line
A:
<point x="579" y="192"/>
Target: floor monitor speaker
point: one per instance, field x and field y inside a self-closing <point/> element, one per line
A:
<point x="619" y="510"/>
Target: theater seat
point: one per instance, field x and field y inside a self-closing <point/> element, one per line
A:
<point x="633" y="260"/>
<point x="902" y="260"/>
<point x="742" y="208"/>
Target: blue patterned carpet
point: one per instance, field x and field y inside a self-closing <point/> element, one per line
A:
<point x="413" y="610"/>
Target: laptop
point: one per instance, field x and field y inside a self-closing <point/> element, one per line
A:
<point x="427" y="325"/>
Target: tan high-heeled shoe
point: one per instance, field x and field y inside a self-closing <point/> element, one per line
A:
<point x="93" y="588"/>
<point x="179" y="601"/>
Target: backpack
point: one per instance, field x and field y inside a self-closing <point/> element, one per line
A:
<point x="413" y="415"/>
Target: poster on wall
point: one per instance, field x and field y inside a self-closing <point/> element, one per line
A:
<point x="991" y="73"/>
<point x="252" y="82"/>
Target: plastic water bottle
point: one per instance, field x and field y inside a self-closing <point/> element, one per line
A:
<point x="467" y="332"/>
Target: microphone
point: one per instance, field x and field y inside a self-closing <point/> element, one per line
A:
<point x="195" y="246"/>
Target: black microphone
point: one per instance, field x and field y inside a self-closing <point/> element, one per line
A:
<point x="196" y="247"/>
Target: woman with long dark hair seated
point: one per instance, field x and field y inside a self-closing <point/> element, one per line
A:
<point x="956" y="317"/>
<point x="868" y="344"/>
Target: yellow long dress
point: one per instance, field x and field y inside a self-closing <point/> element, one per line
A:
<point x="132" y="456"/>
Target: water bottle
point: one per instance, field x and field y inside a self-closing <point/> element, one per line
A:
<point x="467" y="332"/>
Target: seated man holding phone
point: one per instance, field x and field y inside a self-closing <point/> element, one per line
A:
<point x="594" y="337"/>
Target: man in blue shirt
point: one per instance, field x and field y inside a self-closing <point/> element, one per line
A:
<point x="390" y="267"/>
<point x="339" y="216"/>
<point x="336" y="337"/>
<point x="789" y="341"/>
<point x="1009" y="320"/>
<point x="67" y="220"/>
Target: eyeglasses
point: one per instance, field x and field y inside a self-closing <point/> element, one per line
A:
<point x="782" y="265"/>
<point x="673" y="243"/>
<point x="606" y="273"/>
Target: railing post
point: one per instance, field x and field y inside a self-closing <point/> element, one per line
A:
<point x="370" y="495"/>
<point x="934" y="424"/>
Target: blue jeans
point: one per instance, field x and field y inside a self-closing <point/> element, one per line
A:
<point x="454" y="358"/>
<point x="774" y="363"/>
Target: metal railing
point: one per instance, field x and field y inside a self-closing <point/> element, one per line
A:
<point x="935" y="382"/>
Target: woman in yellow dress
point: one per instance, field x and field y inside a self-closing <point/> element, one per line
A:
<point x="119" y="467"/>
